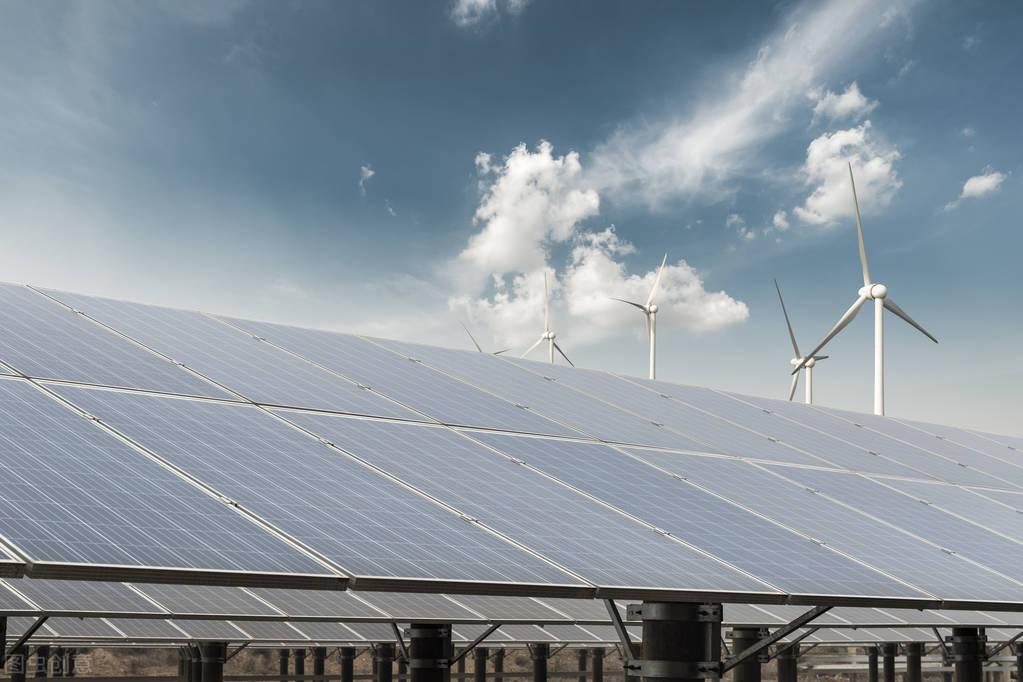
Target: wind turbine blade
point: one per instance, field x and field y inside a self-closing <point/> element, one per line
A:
<point x="657" y="280"/>
<point x="503" y="350"/>
<point x="546" y="305"/>
<point x="788" y="324"/>
<point x="821" y="357"/>
<point x="793" y="386"/>
<point x="859" y="231"/>
<point x="839" y="326"/>
<point x="638" y="305"/>
<point x="471" y="337"/>
<point x="890" y="304"/>
<point x="533" y="347"/>
<point x="558" y="348"/>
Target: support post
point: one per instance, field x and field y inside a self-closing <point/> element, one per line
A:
<point x="479" y="664"/>
<point x="430" y="652"/>
<point x="17" y="663"/>
<point x="195" y="664"/>
<point x="283" y="662"/>
<point x="299" y="663"/>
<point x="319" y="663"/>
<point x="742" y="639"/>
<point x="1019" y="663"/>
<point x="872" y="664"/>
<point x="402" y="668"/>
<point x="879" y="357"/>
<point x="499" y="665"/>
<point x="385" y="662"/>
<point x="888" y="656"/>
<point x="57" y="658"/>
<point x="213" y="655"/>
<point x="183" y="665"/>
<point x="582" y="663"/>
<point x="346" y="660"/>
<point x="597" y="656"/>
<point x="70" y="656"/>
<point x="42" y="659"/>
<point x="460" y="668"/>
<point x="681" y="641"/>
<point x="967" y="654"/>
<point x="914" y="651"/>
<point x="540" y="654"/>
<point x="787" y="664"/>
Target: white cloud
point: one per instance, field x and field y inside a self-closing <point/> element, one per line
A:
<point x="390" y="209"/>
<point x="534" y="201"/>
<point x="365" y="173"/>
<point x="851" y="104"/>
<point x="736" y="222"/>
<point x="971" y="42"/>
<point x="826" y="166"/>
<point x="698" y="154"/>
<point x="968" y="131"/>
<point x="469" y="13"/>
<point x="780" y="221"/>
<point x="979" y="186"/>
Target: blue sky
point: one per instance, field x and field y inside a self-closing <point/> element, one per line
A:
<point x="395" y="168"/>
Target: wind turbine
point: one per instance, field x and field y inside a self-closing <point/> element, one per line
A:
<point x="473" y="339"/>
<point x="649" y="310"/>
<point x="548" y="335"/>
<point x="808" y="367"/>
<point x="879" y="294"/>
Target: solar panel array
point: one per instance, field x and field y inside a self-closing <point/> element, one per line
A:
<point x="150" y="443"/>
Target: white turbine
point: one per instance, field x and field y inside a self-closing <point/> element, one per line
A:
<point x="879" y="294"/>
<point x="649" y="310"/>
<point x="473" y="339"/>
<point x="798" y="359"/>
<point x="548" y="335"/>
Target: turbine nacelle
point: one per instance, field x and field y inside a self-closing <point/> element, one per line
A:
<point x="652" y="308"/>
<point x="874" y="292"/>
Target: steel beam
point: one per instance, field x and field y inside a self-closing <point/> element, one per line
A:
<point x="430" y="652"/>
<point x="967" y="654"/>
<point x="283" y="663"/>
<point x="498" y="665"/>
<point x="681" y="641"/>
<point x="743" y="639"/>
<point x="346" y="661"/>
<point x="888" y="652"/>
<point x="319" y="663"/>
<point x="384" y="663"/>
<point x="872" y="664"/>
<point x="479" y="664"/>
<point x="213" y="655"/>
<point x="540" y="653"/>
<point x="914" y="652"/>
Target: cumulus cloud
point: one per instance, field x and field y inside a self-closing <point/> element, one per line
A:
<point x="736" y="222"/>
<point x="826" y="167"/>
<point x="534" y="202"/>
<point x="979" y="186"/>
<point x="968" y="131"/>
<point x="780" y="221"/>
<point x="851" y="104"/>
<point x="365" y="174"/>
<point x="469" y="13"/>
<point x="700" y="153"/>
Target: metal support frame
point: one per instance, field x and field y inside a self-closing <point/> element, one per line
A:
<point x="479" y="664"/>
<point x="775" y="636"/>
<point x="237" y="650"/>
<point x="794" y="642"/>
<point x="1003" y="645"/>
<point x="346" y="661"/>
<point x="888" y="652"/>
<point x="681" y="641"/>
<point x="786" y="663"/>
<point x="597" y="664"/>
<point x="914" y="651"/>
<point x="474" y="643"/>
<point x="743" y="638"/>
<point x="402" y="649"/>
<point x="430" y="654"/>
<point x="968" y="654"/>
<point x="20" y="642"/>
<point x="212" y="655"/>
<point x="627" y="652"/>
<point x="540" y="653"/>
<point x="383" y="662"/>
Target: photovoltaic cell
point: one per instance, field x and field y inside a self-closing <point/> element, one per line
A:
<point x="326" y="632"/>
<point x="269" y="631"/>
<point x="336" y="506"/>
<point x="748" y="614"/>
<point x="995" y="471"/>
<point x="377" y="632"/>
<point x="404" y="606"/>
<point x="784" y="559"/>
<point x="207" y="600"/>
<point x="900" y="555"/>
<point x="510" y="608"/>
<point x="413" y="384"/>
<point x="43" y="339"/>
<point x="587" y="538"/>
<point x="73" y="494"/>
<point x="146" y="628"/>
<point x="590" y="610"/>
<point x="570" y="633"/>
<point x="926" y="463"/>
<point x="788" y="613"/>
<point x="716" y="435"/>
<point x="318" y="603"/>
<point x="91" y="628"/>
<point x="925" y="521"/>
<point x="248" y="366"/>
<point x="963" y="502"/>
<point x="210" y="630"/>
<point x="971" y="440"/>
<point x="12" y="601"/>
<point x="84" y="596"/>
<point x="567" y="406"/>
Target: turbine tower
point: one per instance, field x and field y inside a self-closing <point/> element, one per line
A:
<point x="870" y="291"/>
<point x="548" y="335"/>
<point x="798" y="359"/>
<point x="649" y="310"/>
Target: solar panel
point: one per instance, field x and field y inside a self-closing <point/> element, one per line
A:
<point x="74" y="495"/>
<point x="334" y="505"/>
<point x="376" y="632"/>
<point x="570" y="634"/>
<point x="84" y="628"/>
<point x="1012" y="442"/>
<point x="207" y="600"/>
<point x="44" y="339"/>
<point x="413" y="384"/>
<point x="567" y="406"/>
<point x="788" y="561"/>
<point x="270" y="631"/>
<point x="510" y="608"/>
<point x="971" y="440"/>
<point x="319" y="604"/>
<point x="587" y="538"/>
<point x="79" y="596"/>
<point x="210" y="630"/>
<point x="146" y="628"/>
<point x="716" y="435"/>
<point x="989" y="470"/>
<point x="246" y="365"/>
<point x="896" y="553"/>
<point x="326" y="632"/>
<point x="586" y="610"/>
<point x="925" y="521"/>
<point x="11" y="602"/>
<point x="965" y="503"/>
<point x="421" y="607"/>
<point x="749" y="614"/>
<point x="787" y="613"/>
<point x="927" y="617"/>
<point x="926" y="463"/>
